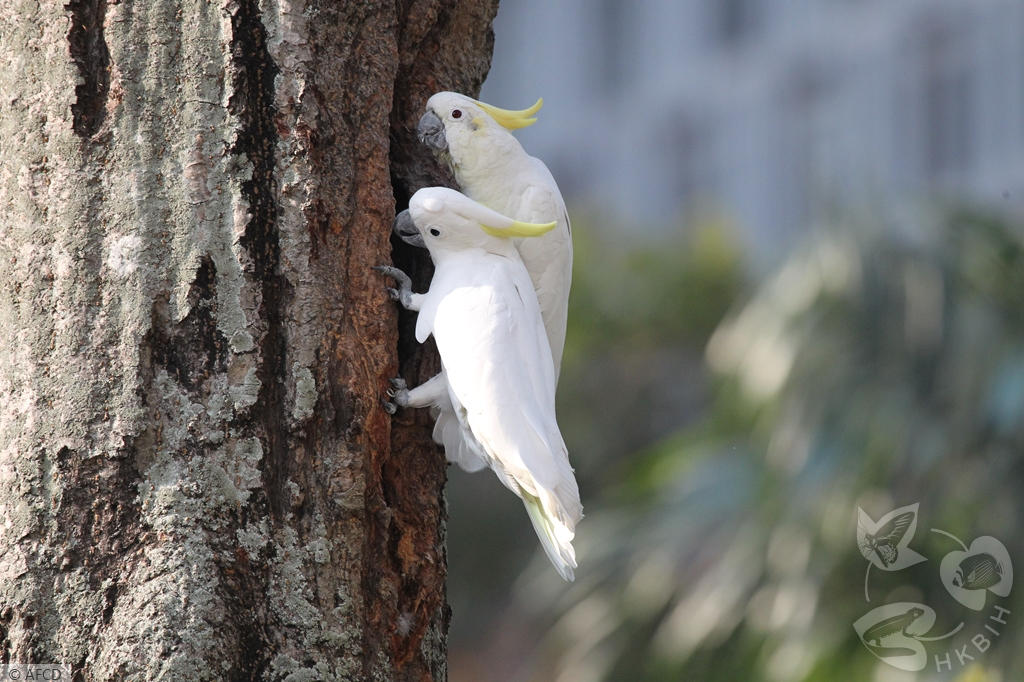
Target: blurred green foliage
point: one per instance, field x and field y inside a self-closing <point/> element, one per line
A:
<point x="878" y="367"/>
<point x="640" y="315"/>
<point x="674" y="290"/>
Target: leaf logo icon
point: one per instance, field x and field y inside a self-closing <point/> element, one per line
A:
<point x="885" y="542"/>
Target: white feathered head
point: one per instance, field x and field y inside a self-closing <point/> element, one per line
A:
<point x="443" y="219"/>
<point x="454" y="124"/>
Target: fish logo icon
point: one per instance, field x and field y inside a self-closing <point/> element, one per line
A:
<point x="885" y="543"/>
<point x="978" y="572"/>
<point x="983" y="567"/>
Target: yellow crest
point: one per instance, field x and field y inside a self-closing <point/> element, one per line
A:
<point x="519" y="229"/>
<point x="513" y="120"/>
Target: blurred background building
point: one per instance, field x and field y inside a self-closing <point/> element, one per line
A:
<point x="798" y="292"/>
<point x="774" y="111"/>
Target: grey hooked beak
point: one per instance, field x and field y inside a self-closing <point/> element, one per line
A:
<point x="406" y="229"/>
<point x="430" y="130"/>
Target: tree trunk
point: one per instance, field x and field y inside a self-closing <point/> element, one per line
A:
<point x="198" y="478"/>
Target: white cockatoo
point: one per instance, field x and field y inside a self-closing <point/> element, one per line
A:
<point x="498" y="373"/>
<point x="491" y="167"/>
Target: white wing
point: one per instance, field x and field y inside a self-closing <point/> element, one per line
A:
<point x="548" y="259"/>
<point x="460" y="447"/>
<point x="500" y="373"/>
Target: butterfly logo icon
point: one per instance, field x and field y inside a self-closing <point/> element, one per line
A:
<point x="885" y="543"/>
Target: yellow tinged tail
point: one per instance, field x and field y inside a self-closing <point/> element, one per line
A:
<point x="555" y="537"/>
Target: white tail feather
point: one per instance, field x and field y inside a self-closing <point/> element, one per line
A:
<point x="555" y="538"/>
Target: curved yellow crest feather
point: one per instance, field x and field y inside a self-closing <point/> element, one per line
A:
<point x="513" y="120"/>
<point x="520" y="229"/>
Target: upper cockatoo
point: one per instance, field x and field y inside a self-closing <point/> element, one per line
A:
<point x="491" y="167"/>
<point x="498" y="371"/>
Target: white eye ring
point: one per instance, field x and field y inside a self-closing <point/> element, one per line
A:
<point x="456" y="113"/>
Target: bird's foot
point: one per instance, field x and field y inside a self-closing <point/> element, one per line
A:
<point x="399" y="394"/>
<point x="403" y="294"/>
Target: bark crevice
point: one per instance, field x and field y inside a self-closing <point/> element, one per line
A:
<point x="89" y="51"/>
<point x="194" y="348"/>
<point x="253" y="103"/>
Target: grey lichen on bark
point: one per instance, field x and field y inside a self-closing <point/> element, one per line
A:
<point x="197" y="480"/>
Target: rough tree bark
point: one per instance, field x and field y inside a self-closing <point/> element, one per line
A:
<point x="197" y="479"/>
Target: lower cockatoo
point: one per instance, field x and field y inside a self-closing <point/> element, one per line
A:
<point x="498" y="373"/>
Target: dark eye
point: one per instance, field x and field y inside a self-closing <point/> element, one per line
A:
<point x="436" y="233"/>
<point x="457" y="113"/>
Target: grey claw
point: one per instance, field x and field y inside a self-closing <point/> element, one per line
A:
<point x="403" y="279"/>
<point x="399" y="393"/>
<point x="403" y="294"/>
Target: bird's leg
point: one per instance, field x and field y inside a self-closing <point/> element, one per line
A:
<point x="403" y="294"/>
<point x="430" y="392"/>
